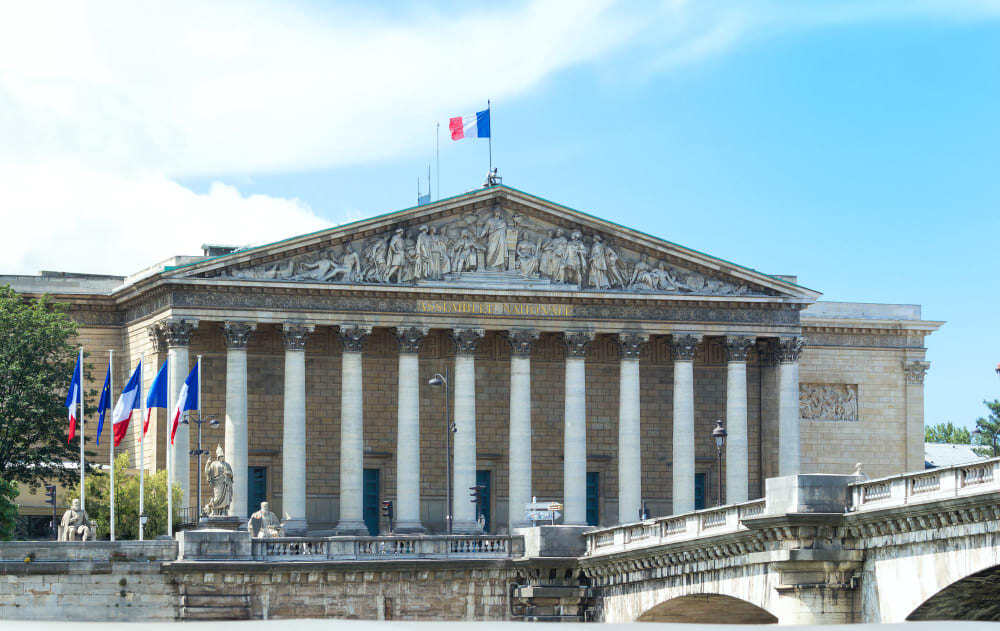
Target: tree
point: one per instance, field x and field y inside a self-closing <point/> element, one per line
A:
<point x="8" y="509"/>
<point x="127" y="501"/>
<point x="36" y="364"/>
<point x="989" y="429"/>
<point x="947" y="433"/>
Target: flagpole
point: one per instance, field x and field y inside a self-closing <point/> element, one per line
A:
<point x="489" y="112"/>
<point x="170" y="488"/>
<point x="437" y="157"/>
<point x="142" y="450"/>
<point x="111" y="442"/>
<point x="200" y="417"/>
<point x="83" y="492"/>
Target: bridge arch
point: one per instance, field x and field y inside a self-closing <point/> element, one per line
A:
<point x="975" y="597"/>
<point x="707" y="609"/>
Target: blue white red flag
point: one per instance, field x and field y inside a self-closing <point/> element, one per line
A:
<point x="75" y="396"/>
<point x="104" y="404"/>
<point x="130" y="399"/>
<point x="187" y="399"/>
<point x="475" y="126"/>
<point x="157" y="397"/>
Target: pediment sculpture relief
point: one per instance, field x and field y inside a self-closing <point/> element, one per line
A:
<point x="492" y="248"/>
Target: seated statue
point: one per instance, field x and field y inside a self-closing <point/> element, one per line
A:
<point x="75" y="525"/>
<point x="264" y="523"/>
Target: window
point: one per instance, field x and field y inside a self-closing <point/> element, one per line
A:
<point x="370" y="499"/>
<point x="593" y="498"/>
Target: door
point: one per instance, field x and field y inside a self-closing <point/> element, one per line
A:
<point x="593" y="498"/>
<point x="256" y="488"/>
<point x="700" y="482"/>
<point x="371" y="499"/>
<point x="483" y="479"/>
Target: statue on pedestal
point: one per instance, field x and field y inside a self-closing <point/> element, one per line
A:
<point x="220" y="479"/>
<point x="264" y="523"/>
<point x="75" y="525"/>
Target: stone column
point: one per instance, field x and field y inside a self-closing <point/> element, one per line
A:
<point x="519" y="463"/>
<point x="408" y="431"/>
<point x="629" y="436"/>
<point x="177" y="335"/>
<point x="575" y="429"/>
<point x="914" y="372"/>
<point x="352" y="431"/>
<point x="293" y="445"/>
<point x="464" y="477"/>
<point x="789" y="450"/>
<point x="237" y="335"/>
<point x="683" y="349"/>
<point x="737" y="443"/>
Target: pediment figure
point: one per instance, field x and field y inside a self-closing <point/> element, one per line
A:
<point x="491" y="246"/>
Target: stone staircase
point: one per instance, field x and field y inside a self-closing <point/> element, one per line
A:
<point x="214" y="606"/>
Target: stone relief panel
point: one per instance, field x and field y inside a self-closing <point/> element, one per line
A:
<point x="828" y="402"/>
<point x="491" y="248"/>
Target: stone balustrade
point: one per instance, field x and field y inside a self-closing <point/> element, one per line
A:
<point x="926" y="486"/>
<point x="672" y="529"/>
<point x="390" y="547"/>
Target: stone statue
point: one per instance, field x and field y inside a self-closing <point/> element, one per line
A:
<point x="264" y="523"/>
<point x="395" y="257"/>
<point x="75" y="525"/>
<point x="604" y="272"/>
<point x="220" y="479"/>
<point x="494" y="231"/>
<point x="574" y="260"/>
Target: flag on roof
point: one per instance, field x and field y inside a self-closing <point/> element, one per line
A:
<point x="130" y="399"/>
<point x="187" y="399"/>
<point x="75" y="396"/>
<point x="475" y="126"/>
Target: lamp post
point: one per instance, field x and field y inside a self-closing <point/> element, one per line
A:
<point x="719" y="435"/>
<point x="439" y="380"/>
<point x="191" y="417"/>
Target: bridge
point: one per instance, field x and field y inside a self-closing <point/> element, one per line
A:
<point x="818" y="549"/>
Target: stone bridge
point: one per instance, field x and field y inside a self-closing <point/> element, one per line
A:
<point x="818" y="549"/>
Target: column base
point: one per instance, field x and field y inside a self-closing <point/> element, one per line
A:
<point x="466" y="528"/>
<point x="295" y="527"/>
<point x="352" y="528"/>
<point x="408" y="528"/>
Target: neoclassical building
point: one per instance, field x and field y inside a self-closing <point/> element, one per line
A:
<point x="583" y="362"/>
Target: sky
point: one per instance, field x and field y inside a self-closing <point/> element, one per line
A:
<point x="853" y="144"/>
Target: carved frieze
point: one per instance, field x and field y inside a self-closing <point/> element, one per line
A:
<point x="491" y="247"/>
<point x="295" y="335"/>
<point x="411" y="337"/>
<point x="577" y="342"/>
<point x="828" y="402"/>
<point x="915" y="372"/>
<point x="521" y="340"/>
<point x="466" y="340"/>
<point x="353" y="336"/>
<point x="237" y="334"/>
<point x="683" y="347"/>
<point x="631" y="344"/>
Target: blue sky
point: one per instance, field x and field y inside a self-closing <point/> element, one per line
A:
<point x="853" y="144"/>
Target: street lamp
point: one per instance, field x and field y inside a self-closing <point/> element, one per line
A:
<point x="719" y="435"/>
<point x="978" y="433"/>
<point x="190" y="417"/>
<point x="439" y="380"/>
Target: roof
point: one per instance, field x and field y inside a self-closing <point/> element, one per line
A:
<point x="947" y="454"/>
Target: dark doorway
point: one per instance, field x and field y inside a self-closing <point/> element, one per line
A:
<point x="700" y="487"/>
<point x="371" y="499"/>
<point x="256" y="488"/>
<point x="484" y="479"/>
<point x="593" y="498"/>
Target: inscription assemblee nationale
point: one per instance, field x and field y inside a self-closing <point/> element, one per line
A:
<point x="462" y="307"/>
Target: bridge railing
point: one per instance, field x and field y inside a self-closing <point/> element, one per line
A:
<point x="926" y="486"/>
<point x="673" y="528"/>
<point x="391" y="547"/>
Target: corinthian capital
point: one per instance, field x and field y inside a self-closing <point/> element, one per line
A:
<point x="177" y="331"/>
<point x="466" y="340"/>
<point x="684" y="346"/>
<point x="353" y="337"/>
<point x="789" y="349"/>
<point x="410" y="338"/>
<point x="631" y="344"/>
<point x="295" y="335"/>
<point x="738" y="347"/>
<point x="237" y="334"/>
<point x="577" y="343"/>
<point x="521" y="340"/>
<point x="915" y="371"/>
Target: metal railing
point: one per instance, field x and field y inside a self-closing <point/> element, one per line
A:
<point x="391" y="547"/>
<point x="926" y="486"/>
<point x="674" y="528"/>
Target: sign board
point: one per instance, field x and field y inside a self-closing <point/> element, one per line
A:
<point x="542" y="515"/>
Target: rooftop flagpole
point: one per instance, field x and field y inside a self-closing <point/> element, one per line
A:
<point x="489" y="117"/>
<point x="437" y="156"/>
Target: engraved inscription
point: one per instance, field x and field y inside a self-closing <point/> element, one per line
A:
<point x="494" y="308"/>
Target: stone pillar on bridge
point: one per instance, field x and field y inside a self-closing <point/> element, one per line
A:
<point x="789" y="448"/>
<point x="352" y="431"/>
<point x="575" y="429"/>
<point x="177" y="335"/>
<point x="519" y="456"/>
<point x="293" y="442"/>
<point x="737" y="443"/>
<point x="466" y="341"/>
<point x="629" y="437"/>
<point x="237" y="335"/>
<point x="408" y="431"/>
<point x="683" y="348"/>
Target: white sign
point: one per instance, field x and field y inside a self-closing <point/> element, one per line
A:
<point x="542" y="515"/>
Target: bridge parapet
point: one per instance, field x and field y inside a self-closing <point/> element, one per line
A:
<point x="926" y="486"/>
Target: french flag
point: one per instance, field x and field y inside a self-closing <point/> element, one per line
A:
<point x="187" y="399"/>
<point x="476" y="126"/>
<point x="157" y="397"/>
<point x="75" y="396"/>
<point x="130" y="399"/>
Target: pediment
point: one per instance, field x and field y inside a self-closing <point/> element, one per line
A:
<point x="499" y="239"/>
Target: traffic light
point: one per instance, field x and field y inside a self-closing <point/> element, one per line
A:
<point x="387" y="509"/>
<point x="477" y="493"/>
<point x="50" y="492"/>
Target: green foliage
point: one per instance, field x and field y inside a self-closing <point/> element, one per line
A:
<point x="127" y="502"/>
<point x="989" y="429"/>
<point x="8" y="509"/>
<point x="36" y="364"/>
<point x="947" y="433"/>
